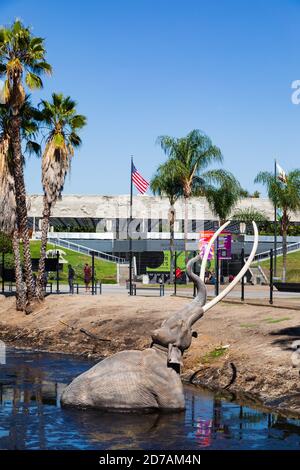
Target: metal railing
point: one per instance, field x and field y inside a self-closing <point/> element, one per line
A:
<point x="266" y="254"/>
<point x="85" y="250"/>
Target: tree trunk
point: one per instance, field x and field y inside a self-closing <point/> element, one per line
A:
<point x="284" y="245"/>
<point x="20" y="288"/>
<point x="172" y="253"/>
<point x="21" y="203"/>
<point x="44" y="239"/>
<point x="186" y="221"/>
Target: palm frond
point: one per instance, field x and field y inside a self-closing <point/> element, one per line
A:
<point x="33" y="148"/>
<point x="33" y="81"/>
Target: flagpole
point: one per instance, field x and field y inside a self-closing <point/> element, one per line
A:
<point x="129" y="231"/>
<point x="275" y="223"/>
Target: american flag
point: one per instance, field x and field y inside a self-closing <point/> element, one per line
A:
<point x="139" y="182"/>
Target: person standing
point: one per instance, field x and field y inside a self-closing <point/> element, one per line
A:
<point x="87" y="276"/>
<point x="71" y="275"/>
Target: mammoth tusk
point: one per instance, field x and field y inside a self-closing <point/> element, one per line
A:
<point x="208" y="247"/>
<point x="243" y="271"/>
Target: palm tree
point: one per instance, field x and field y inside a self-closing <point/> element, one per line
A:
<point x="223" y="196"/>
<point x="8" y="210"/>
<point x="22" y="58"/>
<point x="249" y="214"/>
<point x="190" y="155"/>
<point x="166" y="183"/>
<point x="285" y="196"/>
<point x="62" y="124"/>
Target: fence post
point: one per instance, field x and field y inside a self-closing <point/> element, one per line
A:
<point x="271" y="277"/>
<point x="194" y="287"/>
<point x="217" y="266"/>
<point x="175" y="269"/>
<point x="3" y="285"/>
<point x="57" y="272"/>
<point x="243" y="278"/>
<point x="93" y="272"/>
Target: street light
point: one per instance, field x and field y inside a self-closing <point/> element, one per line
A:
<point x="243" y="227"/>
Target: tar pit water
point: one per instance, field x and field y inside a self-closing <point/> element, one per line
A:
<point x="31" y="417"/>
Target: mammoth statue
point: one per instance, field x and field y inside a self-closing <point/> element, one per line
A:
<point x="150" y="379"/>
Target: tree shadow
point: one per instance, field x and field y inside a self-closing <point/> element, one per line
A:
<point x="290" y="334"/>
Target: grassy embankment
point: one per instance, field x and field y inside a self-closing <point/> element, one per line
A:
<point x="293" y="266"/>
<point x="106" y="272"/>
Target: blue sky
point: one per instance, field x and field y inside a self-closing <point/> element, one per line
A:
<point x="142" y="68"/>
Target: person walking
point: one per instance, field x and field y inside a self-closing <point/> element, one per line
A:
<point x="87" y="276"/>
<point x="71" y="275"/>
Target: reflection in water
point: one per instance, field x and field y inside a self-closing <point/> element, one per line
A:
<point x="31" y="418"/>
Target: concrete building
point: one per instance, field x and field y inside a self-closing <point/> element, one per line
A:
<point x="102" y="222"/>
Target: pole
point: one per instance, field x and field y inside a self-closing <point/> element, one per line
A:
<point x="243" y="278"/>
<point x="93" y="272"/>
<point x="217" y="266"/>
<point x="175" y="269"/>
<point x="57" y="272"/>
<point x="129" y="231"/>
<point x="3" y="285"/>
<point x="275" y="224"/>
<point x="271" y="277"/>
<point x="194" y="291"/>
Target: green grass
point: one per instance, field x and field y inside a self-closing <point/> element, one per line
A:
<point x="105" y="272"/>
<point x="247" y="325"/>
<point x="214" y="354"/>
<point x="276" y="320"/>
<point x="293" y="266"/>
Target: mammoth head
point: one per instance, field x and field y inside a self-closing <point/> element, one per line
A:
<point x="179" y="334"/>
<point x="176" y="338"/>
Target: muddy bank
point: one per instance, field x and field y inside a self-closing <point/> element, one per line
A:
<point x="240" y="348"/>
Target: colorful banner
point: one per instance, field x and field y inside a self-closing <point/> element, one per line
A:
<point x="225" y="240"/>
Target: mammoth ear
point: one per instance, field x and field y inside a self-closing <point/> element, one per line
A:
<point x="194" y="334"/>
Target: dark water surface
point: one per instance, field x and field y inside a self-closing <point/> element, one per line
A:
<point x="31" y="417"/>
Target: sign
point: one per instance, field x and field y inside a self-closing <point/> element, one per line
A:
<point x="166" y="264"/>
<point x="225" y="239"/>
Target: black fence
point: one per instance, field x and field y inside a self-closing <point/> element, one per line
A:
<point x="53" y="265"/>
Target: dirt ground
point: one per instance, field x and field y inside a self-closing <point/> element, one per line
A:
<point x="240" y="348"/>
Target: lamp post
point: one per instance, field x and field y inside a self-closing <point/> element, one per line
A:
<point x="242" y="232"/>
<point x="217" y="280"/>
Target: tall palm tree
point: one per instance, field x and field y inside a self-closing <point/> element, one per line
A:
<point x="166" y="183"/>
<point x="62" y="124"/>
<point x="223" y="196"/>
<point x="286" y="196"/>
<point x="8" y="210"/>
<point x="191" y="155"/>
<point x="22" y="58"/>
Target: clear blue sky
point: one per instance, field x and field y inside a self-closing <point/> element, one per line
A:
<point x="142" y="68"/>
